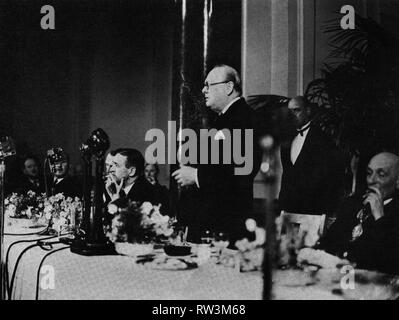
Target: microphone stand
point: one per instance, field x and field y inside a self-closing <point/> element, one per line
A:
<point x="90" y="238"/>
<point x="2" y="211"/>
<point x="7" y="149"/>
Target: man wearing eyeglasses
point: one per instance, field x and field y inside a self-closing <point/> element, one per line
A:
<point x="225" y="198"/>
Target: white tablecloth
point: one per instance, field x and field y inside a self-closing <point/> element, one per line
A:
<point x="118" y="277"/>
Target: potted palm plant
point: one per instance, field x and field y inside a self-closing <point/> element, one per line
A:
<point x="357" y="95"/>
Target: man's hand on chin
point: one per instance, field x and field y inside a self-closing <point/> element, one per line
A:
<point x="374" y="198"/>
<point x="185" y="176"/>
<point x="113" y="188"/>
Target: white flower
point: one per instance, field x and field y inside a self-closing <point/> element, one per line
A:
<point x="260" y="234"/>
<point x="63" y="214"/>
<point x="165" y="231"/>
<point x="11" y="210"/>
<point x="157" y="208"/>
<point x="31" y="193"/>
<point x="112" y="208"/>
<point x="29" y="212"/>
<point x="48" y="209"/>
<point x="250" y="225"/>
<point x="146" y="207"/>
<point x="146" y="221"/>
<point x="57" y="226"/>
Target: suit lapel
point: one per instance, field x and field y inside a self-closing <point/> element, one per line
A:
<point x="219" y="123"/>
<point x="222" y="121"/>
<point x="306" y="148"/>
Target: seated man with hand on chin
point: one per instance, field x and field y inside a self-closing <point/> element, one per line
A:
<point x="125" y="179"/>
<point x="366" y="231"/>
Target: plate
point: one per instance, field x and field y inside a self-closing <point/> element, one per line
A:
<point x="169" y="263"/>
<point x="21" y="226"/>
<point x="133" y="249"/>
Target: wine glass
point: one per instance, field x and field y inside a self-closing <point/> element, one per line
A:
<point x="221" y="242"/>
<point x="207" y="237"/>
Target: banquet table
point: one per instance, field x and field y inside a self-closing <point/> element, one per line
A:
<point x="116" y="277"/>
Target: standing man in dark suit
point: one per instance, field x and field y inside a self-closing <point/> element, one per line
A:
<point x="62" y="181"/>
<point x="125" y="179"/>
<point x="225" y="197"/>
<point x="313" y="171"/>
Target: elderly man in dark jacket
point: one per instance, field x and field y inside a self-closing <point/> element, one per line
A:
<point x="366" y="231"/>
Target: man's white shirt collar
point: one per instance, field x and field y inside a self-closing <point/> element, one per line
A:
<point x="297" y="143"/>
<point x="58" y="180"/>
<point x="228" y="106"/>
<point x="304" y="126"/>
<point x="387" y="201"/>
<point x="128" y="188"/>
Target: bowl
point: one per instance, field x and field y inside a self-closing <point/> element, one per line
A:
<point x="172" y="250"/>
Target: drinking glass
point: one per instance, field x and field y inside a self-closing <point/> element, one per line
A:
<point x="221" y="242"/>
<point x="207" y="237"/>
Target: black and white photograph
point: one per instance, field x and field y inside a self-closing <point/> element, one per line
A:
<point x="199" y="154"/>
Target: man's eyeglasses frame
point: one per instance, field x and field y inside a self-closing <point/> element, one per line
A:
<point x="207" y="85"/>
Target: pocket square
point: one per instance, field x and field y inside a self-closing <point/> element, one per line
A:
<point x="220" y="135"/>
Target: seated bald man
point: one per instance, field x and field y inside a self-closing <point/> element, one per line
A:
<point x="366" y="231"/>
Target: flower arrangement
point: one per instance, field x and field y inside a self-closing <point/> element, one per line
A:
<point x="62" y="213"/>
<point x="139" y="224"/>
<point x="23" y="205"/>
<point x="58" y="212"/>
<point x="251" y="253"/>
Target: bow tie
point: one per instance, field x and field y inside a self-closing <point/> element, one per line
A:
<point x="301" y="131"/>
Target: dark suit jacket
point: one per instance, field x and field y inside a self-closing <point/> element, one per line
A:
<point x="24" y="185"/>
<point x="314" y="184"/>
<point x="141" y="191"/>
<point x="161" y="196"/>
<point x="225" y="199"/>
<point x="377" y="248"/>
<point x="69" y="186"/>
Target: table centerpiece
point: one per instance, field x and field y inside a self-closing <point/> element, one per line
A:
<point x="30" y="210"/>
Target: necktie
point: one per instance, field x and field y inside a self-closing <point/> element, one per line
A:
<point x="122" y="194"/>
<point x="301" y="131"/>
